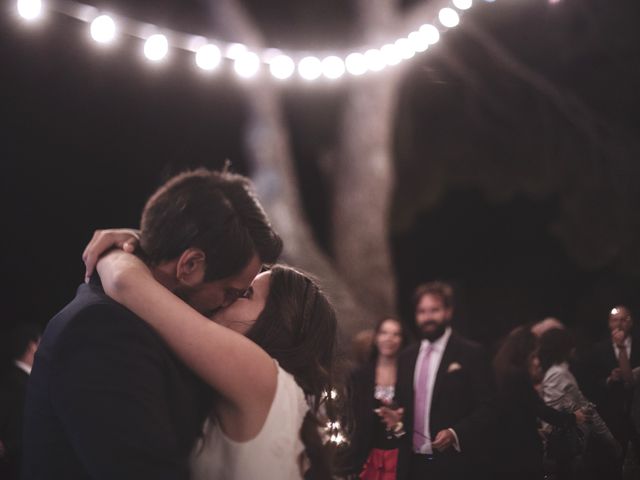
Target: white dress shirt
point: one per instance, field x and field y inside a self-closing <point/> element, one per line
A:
<point x="627" y="347"/>
<point x="23" y="366"/>
<point x="437" y="349"/>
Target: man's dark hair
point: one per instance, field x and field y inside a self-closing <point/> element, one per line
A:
<point x="216" y="212"/>
<point x="19" y="338"/>
<point x="439" y="289"/>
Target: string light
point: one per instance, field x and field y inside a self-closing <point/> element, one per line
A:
<point x="208" y="57"/>
<point x="103" y="29"/>
<point x="375" y="60"/>
<point x="463" y="4"/>
<point x="310" y="68"/>
<point x="247" y="63"/>
<point x="356" y="64"/>
<point x="405" y="49"/>
<point x="431" y="33"/>
<point x="234" y="50"/>
<point x="156" y="47"/>
<point x="282" y="67"/>
<point x="390" y="54"/>
<point x="29" y="9"/>
<point x="419" y="41"/>
<point x="448" y="17"/>
<point x="333" y="67"/>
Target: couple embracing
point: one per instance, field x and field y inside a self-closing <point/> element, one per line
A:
<point x="187" y="359"/>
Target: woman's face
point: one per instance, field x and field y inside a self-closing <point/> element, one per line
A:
<point x="242" y="314"/>
<point x="389" y="338"/>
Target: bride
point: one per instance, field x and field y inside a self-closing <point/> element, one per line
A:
<point x="268" y="356"/>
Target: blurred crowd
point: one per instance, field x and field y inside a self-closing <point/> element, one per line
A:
<point x="444" y="407"/>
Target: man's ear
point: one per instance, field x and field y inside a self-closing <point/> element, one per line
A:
<point x="191" y="266"/>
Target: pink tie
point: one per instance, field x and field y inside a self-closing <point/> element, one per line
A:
<point x="420" y="401"/>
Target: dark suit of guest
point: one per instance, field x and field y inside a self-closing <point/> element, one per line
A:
<point x="368" y="430"/>
<point x="460" y="400"/>
<point x="614" y="400"/>
<point x="13" y="390"/>
<point x="361" y="389"/>
<point x="520" y="407"/>
<point x="107" y="399"/>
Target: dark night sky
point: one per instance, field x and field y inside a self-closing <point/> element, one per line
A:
<point x="87" y="135"/>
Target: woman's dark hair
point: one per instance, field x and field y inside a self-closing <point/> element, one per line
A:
<point x="297" y="327"/>
<point x="555" y="347"/>
<point x="216" y="212"/>
<point x="403" y="334"/>
<point x="514" y="355"/>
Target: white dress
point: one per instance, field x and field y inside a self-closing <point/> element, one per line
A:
<point x="273" y="454"/>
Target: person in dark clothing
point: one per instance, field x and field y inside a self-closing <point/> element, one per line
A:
<point x="107" y="398"/>
<point x="373" y="447"/>
<point x="22" y="343"/>
<point x="611" y="365"/>
<point x="518" y="440"/>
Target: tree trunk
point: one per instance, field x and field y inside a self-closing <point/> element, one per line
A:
<point x="272" y="170"/>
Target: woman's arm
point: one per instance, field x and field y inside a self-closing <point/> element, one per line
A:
<point x="233" y="365"/>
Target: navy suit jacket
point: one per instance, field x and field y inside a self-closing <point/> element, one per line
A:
<point x="107" y="399"/>
<point x="613" y="400"/>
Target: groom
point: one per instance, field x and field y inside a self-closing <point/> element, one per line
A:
<point x="106" y="398"/>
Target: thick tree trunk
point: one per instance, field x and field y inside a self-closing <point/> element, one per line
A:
<point x="272" y="170"/>
<point x="364" y="178"/>
<point x="363" y="284"/>
<point x="363" y="188"/>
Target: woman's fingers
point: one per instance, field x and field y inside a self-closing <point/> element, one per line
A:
<point x="103" y="241"/>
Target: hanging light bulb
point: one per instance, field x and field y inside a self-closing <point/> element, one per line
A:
<point x="449" y="17"/>
<point x="390" y="54"/>
<point x="282" y="67"/>
<point x="208" y="57"/>
<point x="30" y="9"/>
<point x="431" y="32"/>
<point x="156" y="47"/>
<point x="356" y="64"/>
<point x="419" y="41"/>
<point x="103" y="29"/>
<point x="405" y="49"/>
<point x="247" y="64"/>
<point x="310" y="68"/>
<point x="234" y="50"/>
<point x="463" y="4"/>
<point x="375" y="60"/>
<point x="333" y="67"/>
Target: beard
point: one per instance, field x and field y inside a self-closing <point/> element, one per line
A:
<point x="433" y="334"/>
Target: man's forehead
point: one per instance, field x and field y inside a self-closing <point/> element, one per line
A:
<point x="619" y="312"/>
<point x="430" y="298"/>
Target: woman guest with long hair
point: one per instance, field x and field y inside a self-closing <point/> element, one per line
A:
<point x="373" y="450"/>
<point x="560" y="391"/>
<point x="519" y="407"/>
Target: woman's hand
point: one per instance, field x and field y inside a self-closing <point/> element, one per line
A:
<point x="102" y="241"/>
<point x="390" y="416"/>
<point x="120" y="271"/>
<point x="582" y="416"/>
